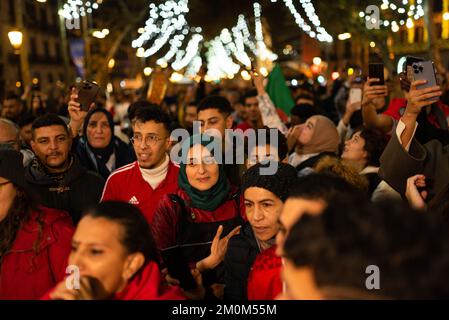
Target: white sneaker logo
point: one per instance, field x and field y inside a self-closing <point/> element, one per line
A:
<point x="133" y="201"/>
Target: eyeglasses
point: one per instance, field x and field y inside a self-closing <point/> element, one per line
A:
<point x="150" y="140"/>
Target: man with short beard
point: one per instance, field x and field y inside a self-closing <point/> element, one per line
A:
<point x="57" y="176"/>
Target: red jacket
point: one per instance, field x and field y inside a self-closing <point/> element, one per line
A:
<point x="166" y="217"/>
<point x="26" y="274"/>
<point x="147" y="285"/>
<point x="127" y="184"/>
<point x="397" y="107"/>
<point x="264" y="281"/>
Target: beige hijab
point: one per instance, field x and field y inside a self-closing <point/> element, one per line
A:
<point x="324" y="138"/>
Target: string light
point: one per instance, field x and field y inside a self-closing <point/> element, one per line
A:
<point x="73" y="9"/>
<point x="173" y="20"/>
<point x="413" y="13"/>
<point x="321" y="34"/>
<point x="191" y="51"/>
<point x="262" y="51"/>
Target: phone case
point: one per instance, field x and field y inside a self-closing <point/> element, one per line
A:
<point x="376" y="70"/>
<point x="87" y="94"/>
<point x="355" y="95"/>
<point x="424" y="71"/>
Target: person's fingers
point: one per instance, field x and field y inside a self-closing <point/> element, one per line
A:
<point x="234" y="231"/>
<point x="218" y="234"/>
<point x="62" y="293"/>
<point x="85" y="287"/>
<point x="429" y="96"/>
<point x="416" y="83"/>
<point x="424" y="194"/>
<point x="428" y="90"/>
<point x="371" y="80"/>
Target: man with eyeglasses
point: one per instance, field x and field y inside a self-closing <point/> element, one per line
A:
<point x="10" y="139"/>
<point x="144" y="182"/>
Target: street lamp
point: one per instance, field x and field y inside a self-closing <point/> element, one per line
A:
<point x="16" y="39"/>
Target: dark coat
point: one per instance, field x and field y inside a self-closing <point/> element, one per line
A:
<point x="124" y="154"/>
<point x="242" y="251"/>
<point x="77" y="190"/>
<point x="431" y="159"/>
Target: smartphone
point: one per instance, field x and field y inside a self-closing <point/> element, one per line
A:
<point x="355" y="95"/>
<point x="178" y="267"/>
<point x="87" y="93"/>
<point x="424" y="70"/>
<point x="376" y="70"/>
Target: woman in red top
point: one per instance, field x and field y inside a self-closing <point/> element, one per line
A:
<point x="113" y="258"/>
<point x="34" y="241"/>
<point x="187" y="225"/>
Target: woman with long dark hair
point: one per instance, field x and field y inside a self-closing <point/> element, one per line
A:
<point x="34" y="240"/>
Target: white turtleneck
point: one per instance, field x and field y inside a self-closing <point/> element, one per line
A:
<point x="155" y="176"/>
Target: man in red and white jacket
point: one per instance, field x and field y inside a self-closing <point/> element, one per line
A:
<point x="144" y="182"/>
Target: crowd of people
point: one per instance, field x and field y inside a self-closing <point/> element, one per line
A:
<point x="109" y="204"/>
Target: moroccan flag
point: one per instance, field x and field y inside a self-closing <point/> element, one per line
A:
<point x="278" y="91"/>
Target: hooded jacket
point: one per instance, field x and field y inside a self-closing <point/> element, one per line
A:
<point x="73" y="191"/>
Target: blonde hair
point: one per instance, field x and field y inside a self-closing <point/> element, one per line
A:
<point x="337" y="167"/>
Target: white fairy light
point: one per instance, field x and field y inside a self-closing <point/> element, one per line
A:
<point x="73" y="9"/>
<point x="308" y="7"/>
<point x="191" y="51"/>
<point x="414" y="12"/>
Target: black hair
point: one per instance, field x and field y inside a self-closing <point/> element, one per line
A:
<point x="26" y="119"/>
<point x="12" y="96"/>
<point x="304" y="96"/>
<point x="375" y="144"/>
<point x="216" y="102"/>
<point x="409" y="248"/>
<point x="324" y="186"/>
<point x="190" y="104"/>
<point x="133" y="107"/>
<point x="281" y="142"/>
<point x="304" y="111"/>
<point x="153" y="113"/>
<point x="137" y="236"/>
<point x="47" y="120"/>
<point x="250" y="93"/>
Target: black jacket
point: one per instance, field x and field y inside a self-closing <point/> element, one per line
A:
<point x="124" y="154"/>
<point x="241" y="254"/>
<point x="73" y="191"/>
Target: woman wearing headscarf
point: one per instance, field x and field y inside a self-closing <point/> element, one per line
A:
<point x="188" y="224"/>
<point x="98" y="149"/>
<point x="316" y="138"/>
<point x="35" y="241"/>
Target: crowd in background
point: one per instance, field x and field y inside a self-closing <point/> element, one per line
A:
<point x="360" y="184"/>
